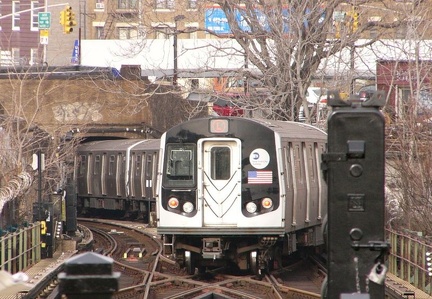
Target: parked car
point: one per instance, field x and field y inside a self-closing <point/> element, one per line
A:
<point x="226" y="107"/>
<point x="224" y="104"/>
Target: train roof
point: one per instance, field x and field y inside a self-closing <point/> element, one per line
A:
<point x="121" y="144"/>
<point x="285" y="129"/>
<point x="292" y="129"/>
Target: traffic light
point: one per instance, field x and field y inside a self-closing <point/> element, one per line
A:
<point x="62" y="17"/>
<point x="69" y="20"/>
<point x="355" y="21"/>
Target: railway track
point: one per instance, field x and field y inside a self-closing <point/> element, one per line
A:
<point x="154" y="276"/>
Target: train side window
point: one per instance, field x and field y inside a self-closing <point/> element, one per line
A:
<point x="288" y="166"/>
<point x="149" y="163"/>
<point x="313" y="156"/>
<point x="138" y="166"/>
<point x="97" y="164"/>
<point x="134" y="163"/>
<point x="154" y="171"/>
<point x="308" y="159"/>
<point x="298" y="163"/>
<point x="220" y="163"/>
<point x="111" y="165"/>
<point x="142" y="174"/>
<point x="82" y="165"/>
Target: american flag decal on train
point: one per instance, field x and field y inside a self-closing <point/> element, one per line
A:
<point x="260" y="177"/>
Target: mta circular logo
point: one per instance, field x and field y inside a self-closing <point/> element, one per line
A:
<point x="259" y="158"/>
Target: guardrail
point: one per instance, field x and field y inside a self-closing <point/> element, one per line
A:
<point x="407" y="259"/>
<point x="21" y="249"/>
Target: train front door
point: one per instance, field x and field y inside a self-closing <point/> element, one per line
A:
<point x="220" y="181"/>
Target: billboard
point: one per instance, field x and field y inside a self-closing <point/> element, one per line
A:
<point x="216" y="21"/>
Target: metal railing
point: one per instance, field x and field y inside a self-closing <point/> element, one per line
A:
<point x="21" y="249"/>
<point x="407" y="259"/>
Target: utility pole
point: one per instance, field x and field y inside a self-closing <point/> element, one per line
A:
<point x="176" y="19"/>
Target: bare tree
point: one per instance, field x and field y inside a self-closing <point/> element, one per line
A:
<point x="287" y="41"/>
<point x="409" y="145"/>
<point x="22" y="136"/>
<point x="407" y="80"/>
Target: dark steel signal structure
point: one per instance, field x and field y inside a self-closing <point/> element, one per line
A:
<point x="354" y="166"/>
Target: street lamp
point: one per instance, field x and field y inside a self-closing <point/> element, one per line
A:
<point x="176" y="19"/>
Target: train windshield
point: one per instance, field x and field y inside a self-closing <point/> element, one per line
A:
<point x="180" y="165"/>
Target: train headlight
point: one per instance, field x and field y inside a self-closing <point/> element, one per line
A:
<point x="173" y="202"/>
<point x="251" y="207"/>
<point x="188" y="207"/>
<point x="267" y="203"/>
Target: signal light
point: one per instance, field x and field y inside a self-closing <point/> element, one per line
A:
<point x="429" y="263"/>
<point x="59" y="229"/>
<point x="355" y="24"/>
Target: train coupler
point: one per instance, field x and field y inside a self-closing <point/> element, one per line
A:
<point x="212" y="248"/>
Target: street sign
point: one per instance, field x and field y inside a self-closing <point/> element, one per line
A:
<point x="43" y="34"/>
<point x="44" y="20"/>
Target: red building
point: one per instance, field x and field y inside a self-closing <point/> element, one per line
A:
<point x="19" y="33"/>
<point x="407" y="84"/>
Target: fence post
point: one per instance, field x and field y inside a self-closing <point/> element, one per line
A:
<point x="89" y="275"/>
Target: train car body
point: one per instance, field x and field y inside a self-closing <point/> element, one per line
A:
<point x="117" y="175"/>
<point x="240" y="191"/>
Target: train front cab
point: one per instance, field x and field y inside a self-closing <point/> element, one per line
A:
<point x="220" y="193"/>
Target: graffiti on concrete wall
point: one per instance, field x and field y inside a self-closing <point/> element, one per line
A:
<point x="78" y="111"/>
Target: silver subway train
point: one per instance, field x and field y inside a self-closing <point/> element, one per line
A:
<point x="222" y="191"/>
<point x="241" y="192"/>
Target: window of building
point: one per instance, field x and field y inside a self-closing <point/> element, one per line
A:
<point x="34" y="16"/>
<point x="34" y="59"/>
<point x="100" y="4"/>
<point x="373" y="32"/>
<point x="16" y="56"/>
<point x="164" y="4"/>
<point x="127" y="4"/>
<point x="401" y="31"/>
<point x="127" y="32"/>
<point x="162" y="32"/>
<point x="15" y="15"/>
<point x="100" y="32"/>
<point x="192" y="30"/>
<point x="192" y="4"/>
<point x="194" y="83"/>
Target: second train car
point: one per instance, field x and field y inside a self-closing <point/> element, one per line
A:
<point x="116" y="177"/>
<point x="238" y="191"/>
